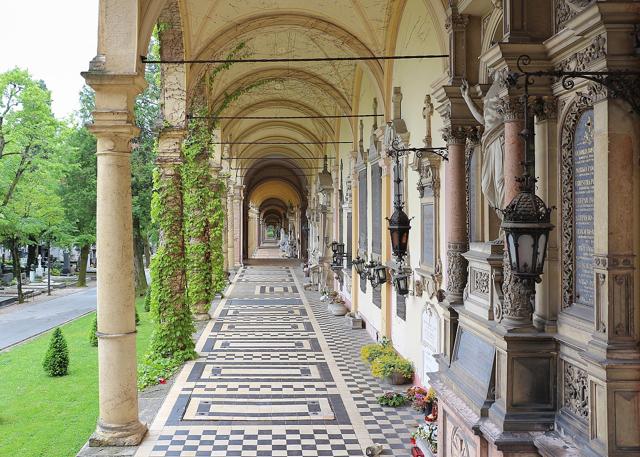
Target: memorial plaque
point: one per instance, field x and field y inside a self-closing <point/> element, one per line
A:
<point x="474" y="355"/>
<point x="362" y="210"/>
<point x="430" y="342"/>
<point x="349" y="247"/>
<point x="583" y="194"/>
<point x="401" y="307"/>
<point x="376" y="208"/>
<point x="377" y="297"/>
<point x="427" y="234"/>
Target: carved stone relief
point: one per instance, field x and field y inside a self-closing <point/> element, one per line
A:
<point x="480" y="281"/>
<point x="456" y="270"/>
<point x="581" y="61"/>
<point x="576" y="391"/>
<point x="459" y="445"/>
<point x="568" y="9"/>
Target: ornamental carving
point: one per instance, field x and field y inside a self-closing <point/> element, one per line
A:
<point x="459" y="445"/>
<point x="429" y="170"/>
<point x="576" y="391"/>
<point x="456" y="270"/>
<point x="568" y="9"/>
<point x="517" y="303"/>
<point x="581" y="103"/>
<point x="480" y="281"/>
<point x="511" y="108"/>
<point x="581" y="61"/>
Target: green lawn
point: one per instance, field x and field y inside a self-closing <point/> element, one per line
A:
<point x="53" y="417"/>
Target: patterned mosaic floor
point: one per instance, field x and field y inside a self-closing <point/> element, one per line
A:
<point x="278" y="376"/>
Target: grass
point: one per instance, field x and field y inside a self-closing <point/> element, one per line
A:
<point x="53" y="417"/>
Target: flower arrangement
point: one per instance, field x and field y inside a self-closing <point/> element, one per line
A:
<point x="371" y="352"/>
<point x="387" y="365"/>
<point x="427" y="433"/>
<point x="393" y="399"/>
<point x="421" y="399"/>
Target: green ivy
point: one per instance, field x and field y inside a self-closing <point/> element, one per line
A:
<point x="216" y="221"/>
<point x="198" y="194"/>
<point x="170" y="313"/>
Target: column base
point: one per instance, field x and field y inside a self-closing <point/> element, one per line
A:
<point x="201" y="316"/>
<point x="118" y="435"/>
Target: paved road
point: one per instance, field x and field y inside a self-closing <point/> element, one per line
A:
<point x="19" y="322"/>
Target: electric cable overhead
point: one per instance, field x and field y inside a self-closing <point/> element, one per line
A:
<point x="290" y="59"/>
<point x="280" y="143"/>
<point x="336" y="116"/>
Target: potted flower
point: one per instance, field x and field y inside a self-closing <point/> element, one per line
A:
<point x="393" y="369"/>
<point x="371" y="352"/>
<point x="425" y="438"/>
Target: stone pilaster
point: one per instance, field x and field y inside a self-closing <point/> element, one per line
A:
<point x="237" y="225"/>
<point x="230" y="219"/>
<point x="118" y="422"/>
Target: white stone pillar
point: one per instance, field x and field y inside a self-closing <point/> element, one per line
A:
<point x="237" y="225"/>
<point x="118" y="423"/>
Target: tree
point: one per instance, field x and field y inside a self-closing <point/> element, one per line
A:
<point x="56" y="361"/>
<point x="30" y="162"/>
<point x="79" y="188"/>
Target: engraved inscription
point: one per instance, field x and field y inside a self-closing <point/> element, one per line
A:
<point x="427" y="234"/>
<point x="583" y="209"/>
<point x="475" y="356"/>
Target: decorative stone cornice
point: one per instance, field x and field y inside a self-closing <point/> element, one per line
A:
<point x="456" y="21"/>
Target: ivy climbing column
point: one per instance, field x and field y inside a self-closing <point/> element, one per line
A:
<point x="198" y="195"/>
<point x="173" y="324"/>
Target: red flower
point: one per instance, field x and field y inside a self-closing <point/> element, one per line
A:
<point x="162" y="380"/>
<point x="413" y="441"/>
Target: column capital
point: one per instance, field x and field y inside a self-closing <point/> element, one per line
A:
<point x="170" y="147"/>
<point x="511" y="108"/>
<point x="546" y="108"/>
<point x="458" y="134"/>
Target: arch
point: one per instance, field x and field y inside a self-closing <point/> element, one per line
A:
<point x="274" y="188"/>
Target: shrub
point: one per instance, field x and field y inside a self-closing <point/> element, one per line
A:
<point x="55" y="271"/>
<point x="388" y="364"/>
<point x="147" y="300"/>
<point x="93" y="338"/>
<point x="371" y="352"/>
<point x="392" y="399"/>
<point x="137" y="318"/>
<point x="56" y="361"/>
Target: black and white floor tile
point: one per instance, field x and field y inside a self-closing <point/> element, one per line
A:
<point x="278" y="376"/>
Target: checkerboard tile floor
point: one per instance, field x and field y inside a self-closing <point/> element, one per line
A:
<point x="277" y="376"/>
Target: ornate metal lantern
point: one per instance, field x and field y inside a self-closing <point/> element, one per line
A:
<point x="358" y="263"/>
<point x="379" y="274"/>
<point x="399" y="226"/>
<point x="526" y="225"/>
<point x="338" y="255"/>
<point x="334" y="247"/>
<point x="401" y="283"/>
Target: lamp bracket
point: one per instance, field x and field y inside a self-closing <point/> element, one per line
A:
<point x="623" y="84"/>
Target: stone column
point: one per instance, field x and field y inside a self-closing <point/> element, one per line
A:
<point x="517" y="306"/>
<point x="118" y="423"/>
<point x="355" y="222"/>
<point x="456" y="213"/>
<point x="237" y="226"/>
<point x="547" y="298"/>
<point x="386" y="167"/>
<point x="230" y="218"/>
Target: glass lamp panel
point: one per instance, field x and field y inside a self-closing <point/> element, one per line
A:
<point x="526" y="257"/>
<point x="513" y="258"/>
<point x="542" y="250"/>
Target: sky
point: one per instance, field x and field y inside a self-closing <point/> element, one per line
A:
<point x="54" y="40"/>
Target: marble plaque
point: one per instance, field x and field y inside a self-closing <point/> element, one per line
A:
<point x="430" y="330"/>
<point x="475" y="356"/>
<point x="583" y="194"/>
<point x="376" y="208"/>
<point x="362" y="210"/>
<point x="427" y="234"/>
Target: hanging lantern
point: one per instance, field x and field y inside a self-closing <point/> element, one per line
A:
<point x="526" y="224"/>
<point x="358" y="264"/>
<point x="334" y="247"/>
<point x="401" y="283"/>
<point x="380" y="272"/>
<point x="399" y="226"/>
<point x="340" y="250"/>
